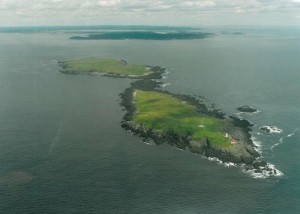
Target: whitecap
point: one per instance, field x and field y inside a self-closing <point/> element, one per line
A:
<point x="281" y="140"/>
<point x="229" y="164"/>
<point x="165" y="84"/>
<point x="257" y="144"/>
<point x="264" y="172"/>
<point x="156" y="80"/>
<point x="214" y="159"/>
<point x="256" y="112"/>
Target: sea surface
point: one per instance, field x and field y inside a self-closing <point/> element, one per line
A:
<point x="62" y="149"/>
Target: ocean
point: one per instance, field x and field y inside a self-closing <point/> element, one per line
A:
<point x="62" y="149"/>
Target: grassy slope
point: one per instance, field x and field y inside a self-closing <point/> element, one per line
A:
<point x="163" y="112"/>
<point x="105" y="66"/>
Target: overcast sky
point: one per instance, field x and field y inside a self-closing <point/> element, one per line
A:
<point x="153" y="12"/>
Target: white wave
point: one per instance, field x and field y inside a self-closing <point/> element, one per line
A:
<point x="251" y="113"/>
<point x="165" y="84"/>
<point x="229" y="164"/>
<point x="257" y="144"/>
<point x="265" y="172"/>
<point x="164" y="77"/>
<point x="214" y="159"/>
<point x="148" y="142"/>
<point x="156" y="80"/>
<point x="272" y="129"/>
<point x="256" y="112"/>
<point x="226" y="164"/>
<point x="281" y="140"/>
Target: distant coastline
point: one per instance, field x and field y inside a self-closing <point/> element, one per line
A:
<point x="144" y="35"/>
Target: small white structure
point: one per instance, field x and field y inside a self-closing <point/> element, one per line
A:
<point x="233" y="141"/>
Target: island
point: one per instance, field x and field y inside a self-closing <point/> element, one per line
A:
<point x="182" y="121"/>
<point x="144" y="35"/>
<point x="111" y="67"/>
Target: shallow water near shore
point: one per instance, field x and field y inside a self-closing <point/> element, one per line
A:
<point x="62" y="149"/>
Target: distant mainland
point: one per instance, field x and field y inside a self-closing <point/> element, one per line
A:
<point x="144" y="35"/>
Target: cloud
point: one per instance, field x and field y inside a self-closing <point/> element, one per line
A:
<point x="141" y="11"/>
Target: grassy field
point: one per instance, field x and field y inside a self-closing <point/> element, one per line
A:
<point x="160" y="111"/>
<point x="111" y="66"/>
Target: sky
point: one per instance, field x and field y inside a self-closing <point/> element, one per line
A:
<point x="149" y="12"/>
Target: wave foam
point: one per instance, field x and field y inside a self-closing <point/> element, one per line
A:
<point x="165" y="84"/>
<point x="271" y="129"/>
<point x="265" y="172"/>
<point x="257" y="144"/>
<point x="281" y="140"/>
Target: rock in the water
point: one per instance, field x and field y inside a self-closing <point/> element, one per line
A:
<point x="259" y="164"/>
<point x="265" y="128"/>
<point x="240" y="122"/>
<point x="271" y="129"/>
<point x="246" y="108"/>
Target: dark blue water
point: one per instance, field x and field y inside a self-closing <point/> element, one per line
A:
<point x="62" y="149"/>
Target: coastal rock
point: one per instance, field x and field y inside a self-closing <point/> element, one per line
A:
<point x="240" y="122"/>
<point x="259" y="164"/>
<point x="246" y="108"/>
<point x="198" y="146"/>
<point x="271" y="129"/>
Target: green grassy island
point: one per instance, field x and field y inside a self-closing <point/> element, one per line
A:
<point x="165" y="113"/>
<point x="159" y="116"/>
<point x="110" y="67"/>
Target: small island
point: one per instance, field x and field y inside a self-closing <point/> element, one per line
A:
<point x="111" y="67"/>
<point x="182" y="121"/>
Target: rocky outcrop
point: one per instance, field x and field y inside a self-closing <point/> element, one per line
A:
<point x="246" y="108"/>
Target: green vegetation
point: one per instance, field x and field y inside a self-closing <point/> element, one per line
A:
<point x="162" y="112"/>
<point x="109" y="66"/>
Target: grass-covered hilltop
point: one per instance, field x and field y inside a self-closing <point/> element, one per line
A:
<point x="165" y="113"/>
<point x="110" y="67"/>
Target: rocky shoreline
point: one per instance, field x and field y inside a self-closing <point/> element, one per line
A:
<point x="243" y="152"/>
